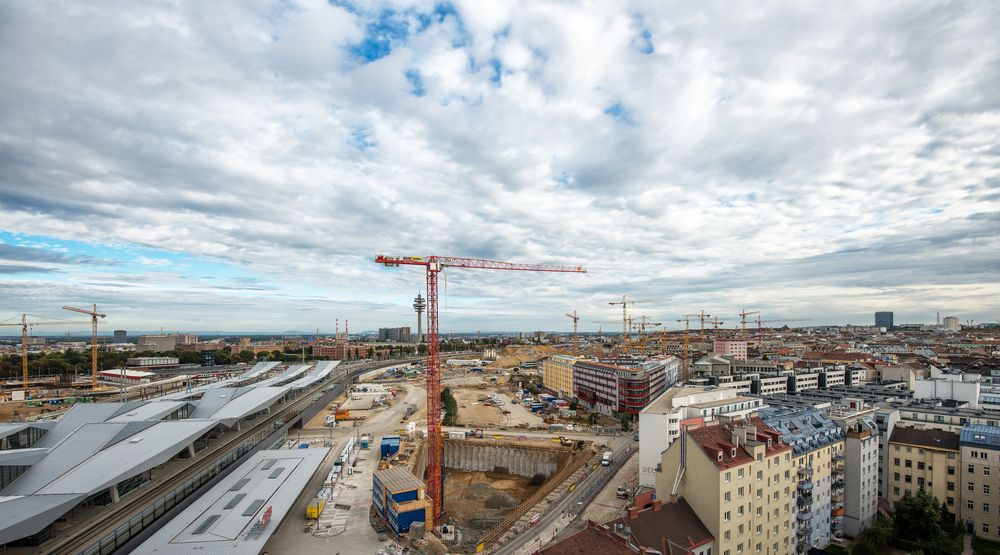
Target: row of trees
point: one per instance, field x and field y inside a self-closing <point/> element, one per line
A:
<point x="450" y="407"/>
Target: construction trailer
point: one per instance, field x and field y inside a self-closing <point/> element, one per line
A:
<point x="400" y="499"/>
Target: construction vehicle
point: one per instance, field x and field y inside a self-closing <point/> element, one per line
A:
<point x="315" y="508"/>
<point x="606" y="459"/>
<point x="622" y="492"/>
<point x="342" y="414"/>
<point x="433" y="266"/>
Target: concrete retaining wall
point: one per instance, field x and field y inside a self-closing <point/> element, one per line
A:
<point x="529" y="461"/>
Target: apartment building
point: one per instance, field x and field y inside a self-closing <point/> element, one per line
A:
<point x="980" y="467"/>
<point x="926" y="459"/>
<point x="661" y="421"/>
<point x="735" y="349"/>
<point x="817" y="444"/>
<point x="557" y="374"/>
<point x="737" y="476"/>
<point x="617" y="390"/>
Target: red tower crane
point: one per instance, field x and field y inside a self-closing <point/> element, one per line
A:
<point x="434" y="265"/>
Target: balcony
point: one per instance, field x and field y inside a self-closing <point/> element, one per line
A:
<point x="805" y="516"/>
<point x="839" y="457"/>
<point x="805" y="472"/>
<point x="838" y="468"/>
<point x="837" y="511"/>
<point x="837" y="498"/>
<point x="805" y="500"/>
<point x="806" y="485"/>
<point x="838" y="483"/>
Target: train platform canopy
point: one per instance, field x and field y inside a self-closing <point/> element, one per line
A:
<point x="285" y="377"/>
<point x="259" y="369"/>
<point x="322" y="370"/>
<point x="241" y="512"/>
<point x="148" y="410"/>
<point x="92" y="458"/>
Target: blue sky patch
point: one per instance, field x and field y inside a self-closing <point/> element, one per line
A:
<point x="388" y="29"/>
<point x="362" y="137"/>
<point x="416" y="82"/>
<point x="620" y="113"/>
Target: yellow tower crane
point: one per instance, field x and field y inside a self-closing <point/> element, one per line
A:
<point x="684" y="368"/>
<point x="701" y="317"/>
<point x="625" y="323"/>
<point x="743" y="320"/>
<point x="576" y="339"/>
<point x="94" y="315"/>
<point x="23" y="324"/>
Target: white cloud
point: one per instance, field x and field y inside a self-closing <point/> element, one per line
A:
<point x="818" y="164"/>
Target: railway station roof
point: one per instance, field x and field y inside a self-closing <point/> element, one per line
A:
<point x="226" y="520"/>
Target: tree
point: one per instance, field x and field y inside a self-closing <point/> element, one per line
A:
<point x="246" y="356"/>
<point x="450" y="407"/>
<point x="921" y="524"/>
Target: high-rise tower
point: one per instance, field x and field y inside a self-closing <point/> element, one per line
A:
<point x="419" y="305"/>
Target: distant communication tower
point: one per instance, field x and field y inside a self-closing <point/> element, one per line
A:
<point x="419" y="305"/>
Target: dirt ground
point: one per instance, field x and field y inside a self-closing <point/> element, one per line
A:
<point x="479" y="500"/>
<point x="472" y="412"/>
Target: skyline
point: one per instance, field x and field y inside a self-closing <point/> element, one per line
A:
<point x="238" y="166"/>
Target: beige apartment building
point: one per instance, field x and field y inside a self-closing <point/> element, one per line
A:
<point x="557" y="374"/>
<point x="980" y="466"/>
<point x="738" y="477"/>
<point x="927" y="459"/>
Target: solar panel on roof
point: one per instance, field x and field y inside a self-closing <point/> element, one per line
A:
<point x="235" y="500"/>
<point x="257" y="504"/>
<point x="268" y="464"/>
<point x="277" y="472"/>
<point x="205" y="524"/>
<point x="239" y="484"/>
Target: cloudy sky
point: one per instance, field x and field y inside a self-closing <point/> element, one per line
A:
<point x="237" y="165"/>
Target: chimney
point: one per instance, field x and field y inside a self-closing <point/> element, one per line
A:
<point x="633" y="513"/>
<point x="657" y="505"/>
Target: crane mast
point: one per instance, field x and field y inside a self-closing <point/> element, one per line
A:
<point x="434" y="265"/>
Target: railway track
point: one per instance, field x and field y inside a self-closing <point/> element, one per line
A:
<point x="87" y="535"/>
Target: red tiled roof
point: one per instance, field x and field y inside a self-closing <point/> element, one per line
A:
<point x="714" y="439"/>
<point x="592" y="540"/>
<point x="674" y="523"/>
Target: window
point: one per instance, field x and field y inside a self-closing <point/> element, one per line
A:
<point x="951" y="455"/>
<point x="728" y="476"/>
<point x="986" y="507"/>
<point x="920" y="482"/>
<point x="739" y="510"/>
<point x="760" y="492"/>
<point x="951" y="501"/>
<point x="986" y="471"/>
<point x="739" y="474"/>
<point x="726" y="515"/>
<point x="971" y="486"/>
<point x="985" y="528"/>
<point x="725" y="536"/>
<point x="909" y="463"/>
<point x="895" y="476"/>
<point x="951" y="470"/>
<point x="760" y="474"/>
<point x="951" y="486"/>
<point x="986" y="489"/>
<point x="972" y="469"/>
<point x="908" y="479"/>
<point x="895" y="491"/>
<point x="970" y="504"/>
<point x="727" y="496"/>
<point x="920" y="465"/>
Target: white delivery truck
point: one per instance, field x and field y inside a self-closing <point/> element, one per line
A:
<point x="606" y="461"/>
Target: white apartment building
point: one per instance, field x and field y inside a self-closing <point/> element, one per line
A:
<point x="660" y="423"/>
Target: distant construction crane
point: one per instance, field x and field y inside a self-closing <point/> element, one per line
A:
<point x="701" y="317"/>
<point x="743" y="320"/>
<point x="94" y="315"/>
<point x="576" y="338"/>
<point x="23" y="324"/>
<point x="684" y="368"/>
<point x="624" y="302"/>
<point x="434" y="266"/>
<point x="716" y="323"/>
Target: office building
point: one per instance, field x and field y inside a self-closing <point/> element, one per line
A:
<point x="927" y="459"/>
<point x="737" y="476"/>
<point x="950" y="323"/>
<point x="621" y="390"/>
<point x="884" y="320"/>
<point x="399" y="335"/>
<point x="156" y="343"/>
<point x="121" y="336"/>
<point x="661" y="421"/>
<point x="557" y="374"/>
